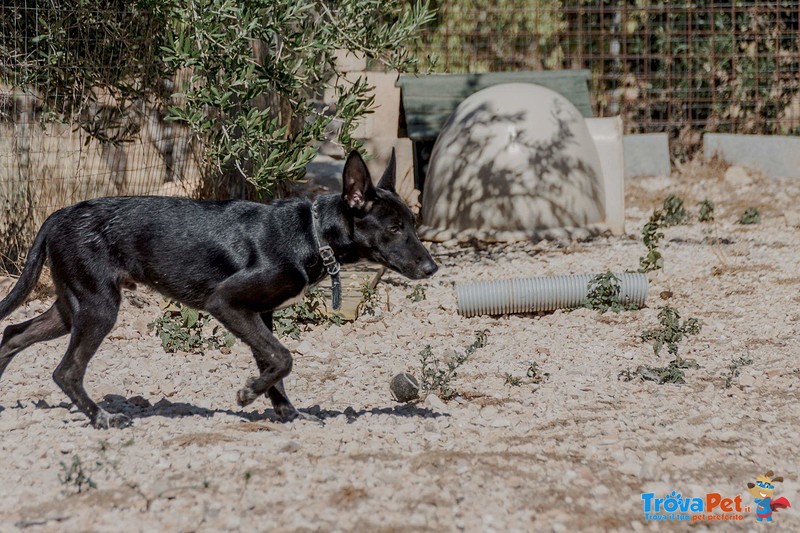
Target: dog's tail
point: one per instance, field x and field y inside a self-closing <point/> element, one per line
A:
<point x="30" y="274"/>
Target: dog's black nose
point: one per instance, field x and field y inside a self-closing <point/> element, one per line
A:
<point x="429" y="268"/>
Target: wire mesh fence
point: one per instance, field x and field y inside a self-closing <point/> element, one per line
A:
<point x="48" y="165"/>
<point x="61" y="142"/>
<point x="680" y="67"/>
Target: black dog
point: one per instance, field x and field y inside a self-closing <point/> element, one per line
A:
<point x="238" y="260"/>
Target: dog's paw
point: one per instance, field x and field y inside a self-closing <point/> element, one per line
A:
<point x="286" y="413"/>
<point x="105" y="420"/>
<point x="311" y="418"/>
<point x="290" y="414"/>
<point x="246" y="395"/>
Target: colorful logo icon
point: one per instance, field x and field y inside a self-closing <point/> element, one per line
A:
<point x="714" y="507"/>
<point x="762" y="491"/>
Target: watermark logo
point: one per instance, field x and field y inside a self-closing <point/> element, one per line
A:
<point x="713" y="506"/>
<point x="762" y="491"/>
<point x="677" y="507"/>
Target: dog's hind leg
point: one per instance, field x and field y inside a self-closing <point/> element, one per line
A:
<point x="50" y="325"/>
<point x="92" y="320"/>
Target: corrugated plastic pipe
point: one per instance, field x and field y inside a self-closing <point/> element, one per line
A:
<point x="530" y="295"/>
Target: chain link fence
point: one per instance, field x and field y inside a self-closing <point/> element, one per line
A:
<point x="678" y="67"/>
<point x="682" y="67"/>
<point x="61" y="143"/>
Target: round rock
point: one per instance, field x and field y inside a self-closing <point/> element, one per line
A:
<point x="404" y="387"/>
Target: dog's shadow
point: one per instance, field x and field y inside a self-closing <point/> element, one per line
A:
<point x="137" y="407"/>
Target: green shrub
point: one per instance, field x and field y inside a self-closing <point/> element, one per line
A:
<point x="750" y="216"/>
<point x="417" y="294"/>
<point x="311" y="311"/>
<point x="369" y="299"/>
<point x="76" y="477"/>
<point x="437" y="379"/>
<point x="706" y="211"/>
<point x="604" y="294"/>
<point x="671" y="330"/>
<point x="246" y="72"/>
<point x="670" y="333"/>
<point x="674" y="212"/>
<point x="651" y="237"/>
<point x="182" y="328"/>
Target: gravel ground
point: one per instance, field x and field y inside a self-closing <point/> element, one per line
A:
<point x="574" y="452"/>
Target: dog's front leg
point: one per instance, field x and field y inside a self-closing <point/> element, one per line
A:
<point x="277" y="394"/>
<point x="273" y="359"/>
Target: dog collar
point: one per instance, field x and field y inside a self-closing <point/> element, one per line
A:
<point x="328" y="258"/>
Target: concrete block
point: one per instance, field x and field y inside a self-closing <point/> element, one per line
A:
<point x="347" y="61"/>
<point x="381" y="150"/>
<point x="607" y="136"/>
<point x="777" y="156"/>
<point x="385" y="117"/>
<point x="646" y="154"/>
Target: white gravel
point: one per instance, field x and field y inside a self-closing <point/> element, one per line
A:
<point x="572" y="453"/>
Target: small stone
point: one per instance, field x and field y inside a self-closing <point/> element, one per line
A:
<point x="768" y="418"/>
<point x="408" y="427"/>
<point x="630" y="468"/>
<point x="290" y="447"/>
<point x="737" y="176"/>
<point x="304" y="348"/>
<point x="66" y="447"/>
<point x="775" y="372"/>
<point x="500" y="423"/>
<point x="489" y="412"/>
<point x="140" y="325"/>
<point x="404" y="387"/>
<point x="433" y="402"/>
<point x="747" y="380"/>
<point x="792" y="218"/>
<point x="230" y="457"/>
<point x="728" y="436"/>
<point x="600" y="490"/>
<point x="648" y="469"/>
<point x="515" y="482"/>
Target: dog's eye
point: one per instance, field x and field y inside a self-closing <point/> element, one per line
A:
<point x="396" y="229"/>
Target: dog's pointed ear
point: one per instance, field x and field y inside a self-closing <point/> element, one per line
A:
<point x="357" y="189"/>
<point x="779" y="478"/>
<point x="389" y="175"/>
